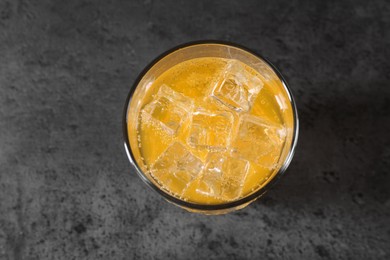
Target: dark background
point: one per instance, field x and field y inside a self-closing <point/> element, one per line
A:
<point x="66" y="187"/>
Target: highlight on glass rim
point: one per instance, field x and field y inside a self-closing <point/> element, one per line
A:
<point x="210" y="126"/>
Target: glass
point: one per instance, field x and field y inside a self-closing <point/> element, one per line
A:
<point x="183" y="53"/>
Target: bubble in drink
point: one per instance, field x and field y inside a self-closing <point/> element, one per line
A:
<point x="236" y="88"/>
<point x="169" y="110"/>
<point x="210" y="129"/>
<point x="176" y="167"/>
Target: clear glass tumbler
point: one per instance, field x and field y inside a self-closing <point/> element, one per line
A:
<point x="186" y="52"/>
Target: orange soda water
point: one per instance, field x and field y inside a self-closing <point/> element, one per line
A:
<point x="212" y="130"/>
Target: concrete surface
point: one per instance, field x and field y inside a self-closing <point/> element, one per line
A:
<point x="66" y="187"/>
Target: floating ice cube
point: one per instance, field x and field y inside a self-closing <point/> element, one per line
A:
<point x="223" y="177"/>
<point x="176" y="167"/>
<point x="211" y="130"/>
<point x="257" y="139"/>
<point x="236" y="88"/>
<point x="169" y="109"/>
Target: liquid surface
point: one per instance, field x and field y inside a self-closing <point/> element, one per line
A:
<point x="212" y="130"/>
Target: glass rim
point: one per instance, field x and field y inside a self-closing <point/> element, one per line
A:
<point x="221" y="206"/>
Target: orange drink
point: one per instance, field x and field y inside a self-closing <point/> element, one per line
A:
<point x="210" y="130"/>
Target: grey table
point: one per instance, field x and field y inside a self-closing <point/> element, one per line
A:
<point x="66" y="187"/>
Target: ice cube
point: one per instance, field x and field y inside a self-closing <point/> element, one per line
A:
<point x="256" y="139"/>
<point x="170" y="109"/>
<point x="210" y="129"/>
<point x="176" y="167"/>
<point x="223" y="176"/>
<point x="236" y="88"/>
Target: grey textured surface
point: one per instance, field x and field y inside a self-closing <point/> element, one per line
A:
<point x="66" y="187"/>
